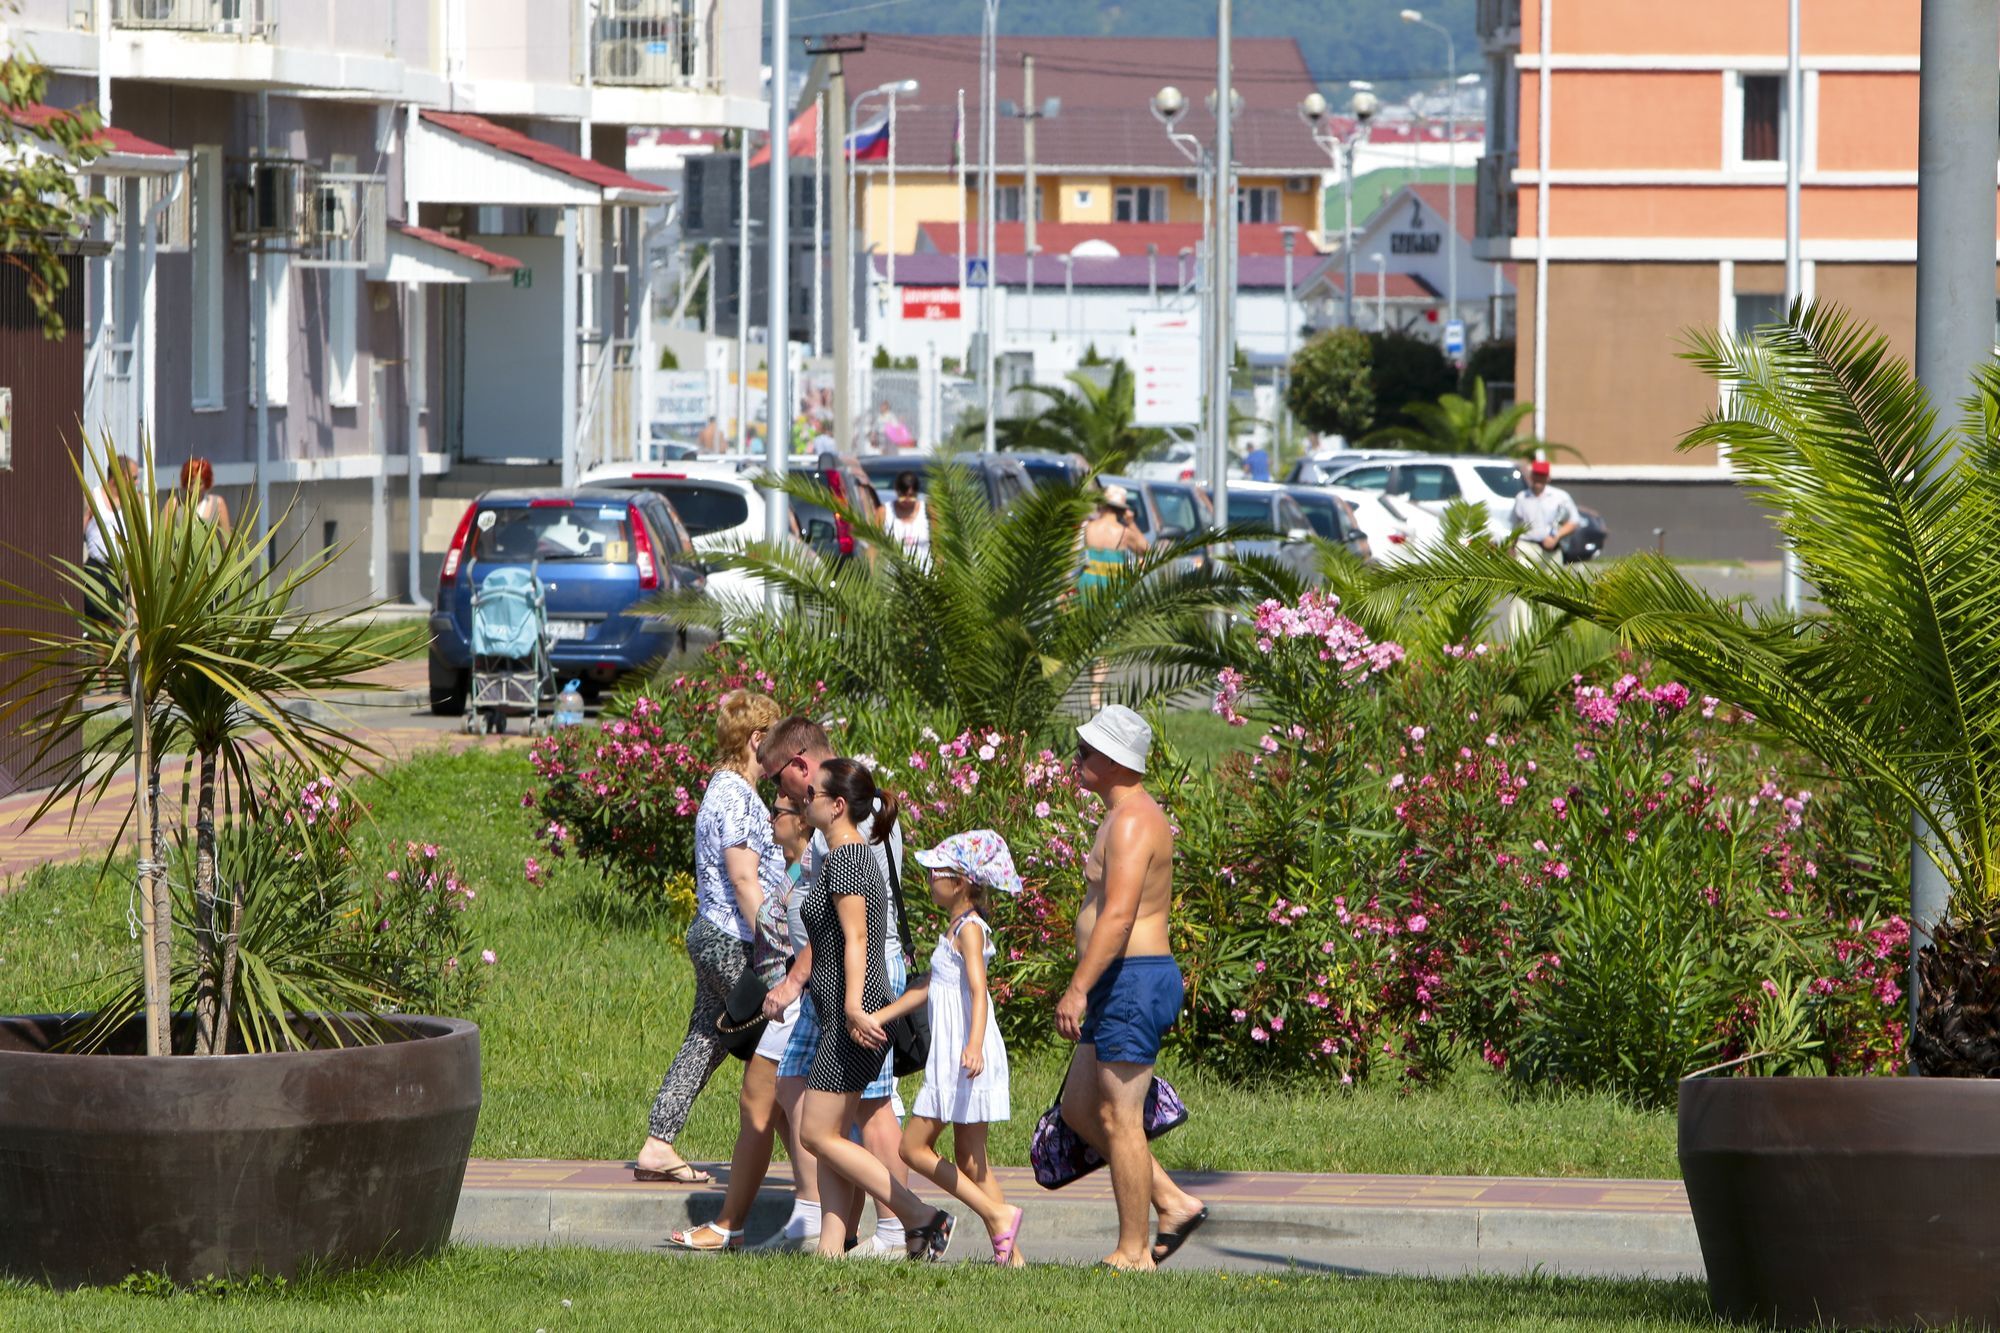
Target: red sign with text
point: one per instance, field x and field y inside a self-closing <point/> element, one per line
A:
<point x="930" y="303"/>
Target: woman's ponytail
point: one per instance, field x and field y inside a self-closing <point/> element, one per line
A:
<point x="887" y="807"/>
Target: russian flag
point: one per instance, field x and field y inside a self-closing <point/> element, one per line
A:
<point x="870" y="143"/>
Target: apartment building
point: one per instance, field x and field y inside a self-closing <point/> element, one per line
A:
<point x="1636" y="173"/>
<point x="372" y="256"/>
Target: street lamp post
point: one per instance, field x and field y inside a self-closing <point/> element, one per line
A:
<point x="901" y="87"/>
<point x="1029" y="254"/>
<point x="1153" y="274"/>
<point x="1381" y="291"/>
<point x="1291" y="235"/>
<point x="1069" y="296"/>
<point x="1451" y="147"/>
<point x="778" y="314"/>
<point x="989" y="89"/>
<point x="1312" y="110"/>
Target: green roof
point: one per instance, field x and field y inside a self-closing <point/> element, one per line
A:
<point x="1372" y="190"/>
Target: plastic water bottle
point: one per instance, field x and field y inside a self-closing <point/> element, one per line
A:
<point x="569" y="705"/>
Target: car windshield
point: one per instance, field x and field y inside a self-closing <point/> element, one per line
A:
<point x="1363" y="478"/>
<point x="1250" y="511"/>
<point x="1177" y="508"/>
<point x="704" y="509"/>
<point x="1321" y="512"/>
<point x="595" y="533"/>
<point x="1047" y="471"/>
<point x="1503" y="480"/>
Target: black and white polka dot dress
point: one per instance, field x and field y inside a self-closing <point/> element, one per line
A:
<point x="841" y="1064"/>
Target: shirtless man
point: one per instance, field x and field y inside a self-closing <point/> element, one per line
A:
<point x="1127" y="990"/>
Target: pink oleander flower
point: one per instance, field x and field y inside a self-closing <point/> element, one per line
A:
<point x="488" y="957"/>
<point x="533" y="870"/>
<point x="1258" y="1034"/>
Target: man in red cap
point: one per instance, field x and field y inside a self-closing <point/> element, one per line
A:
<point x="1545" y="514"/>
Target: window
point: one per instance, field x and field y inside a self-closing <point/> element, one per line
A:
<point x="342" y="389"/>
<point x="1763" y="118"/>
<point x="1257" y="206"/>
<point x="1363" y="479"/>
<point x="210" y="247"/>
<point x="1503" y="481"/>
<point x="1756" y="309"/>
<point x="589" y="534"/>
<point x="1176" y="509"/>
<point x="1430" y="483"/>
<point x="1139" y="203"/>
<point x="1324" y="516"/>
<point x="1007" y="203"/>
<point x="706" y="509"/>
<point x="1290" y="517"/>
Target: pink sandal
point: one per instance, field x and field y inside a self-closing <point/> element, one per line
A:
<point x="1003" y="1244"/>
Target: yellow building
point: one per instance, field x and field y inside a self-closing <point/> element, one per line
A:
<point x="1101" y="161"/>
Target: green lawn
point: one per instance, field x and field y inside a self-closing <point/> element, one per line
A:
<point x="555" y="1290"/>
<point x="586" y="1006"/>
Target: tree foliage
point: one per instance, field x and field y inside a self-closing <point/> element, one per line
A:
<point x="1092" y="419"/>
<point x="1330" y="390"/>
<point x="1404" y="368"/>
<point x="44" y="206"/>
<point x="1459" y="425"/>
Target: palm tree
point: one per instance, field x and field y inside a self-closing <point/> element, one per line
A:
<point x="210" y="648"/>
<point x="1896" y="523"/>
<point x="1459" y="425"/>
<point x="992" y="631"/>
<point x="1094" y="420"/>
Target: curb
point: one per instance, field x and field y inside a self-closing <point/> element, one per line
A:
<point x="1261" y="1234"/>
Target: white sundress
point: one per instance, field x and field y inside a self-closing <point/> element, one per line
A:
<point x="948" y="1095"/>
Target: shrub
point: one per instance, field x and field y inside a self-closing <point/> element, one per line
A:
<point x="1329" y="390"/>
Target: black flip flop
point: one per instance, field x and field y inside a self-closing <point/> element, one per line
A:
<point x="1168" y="1243"/>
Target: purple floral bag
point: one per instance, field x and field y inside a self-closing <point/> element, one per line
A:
<point x="1059" y="1154"/>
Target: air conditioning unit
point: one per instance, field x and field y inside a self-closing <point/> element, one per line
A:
<point x="1192" y="184"/>
<point x="1299" y="184"/>
<point x="632" y="60"/>
<point x="265" y="204"/>
<point x="161" y="11"/>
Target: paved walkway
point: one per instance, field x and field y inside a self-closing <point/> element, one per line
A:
<point x="394" y="720"/>
<point x="1260" y="1221"/>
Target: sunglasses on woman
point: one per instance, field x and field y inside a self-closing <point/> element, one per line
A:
<point x="1084" y="752"/>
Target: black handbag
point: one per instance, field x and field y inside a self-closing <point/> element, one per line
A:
<point x="910" y="1035"/>
<point x="741" y="1023"/>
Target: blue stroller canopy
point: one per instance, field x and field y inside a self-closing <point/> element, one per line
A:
<point x="507" y="614"/>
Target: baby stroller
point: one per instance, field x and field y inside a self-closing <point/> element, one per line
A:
<point x="511" y="672"/>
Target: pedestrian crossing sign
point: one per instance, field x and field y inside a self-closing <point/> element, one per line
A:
<point x="976" y="272"/>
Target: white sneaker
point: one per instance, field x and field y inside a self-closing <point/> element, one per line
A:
<point x="785" y="1243"/>
<point x="874" y="1248"/>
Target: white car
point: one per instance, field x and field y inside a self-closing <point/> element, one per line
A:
<point x="1394" y="527"/>
<point x="1432" y="483"/>
<point x="1176" y="460"/>
<point x="720" y="508"/>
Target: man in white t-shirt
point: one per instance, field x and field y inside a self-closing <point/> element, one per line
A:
<point x="1545" y="514"/>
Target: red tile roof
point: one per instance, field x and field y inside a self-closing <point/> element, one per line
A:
<point x="110" y="137"/>
<point x="1106" y="85"/>
<point x="493" y="259"/>
<point x="1128" y="238"/>
<point x="493" y="135"/>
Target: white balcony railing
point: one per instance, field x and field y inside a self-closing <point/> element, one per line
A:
<point x="225" y="18"/>
<point x="654" y="43"/>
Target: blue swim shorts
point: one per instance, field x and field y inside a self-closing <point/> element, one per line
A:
<point x="1131" y="1007"/>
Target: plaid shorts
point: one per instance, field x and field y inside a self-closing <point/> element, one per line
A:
<point x="805" y="1033"/>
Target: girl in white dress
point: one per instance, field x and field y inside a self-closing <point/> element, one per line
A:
<point x="965" y="1082"/>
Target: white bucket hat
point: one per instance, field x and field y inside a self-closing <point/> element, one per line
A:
<point x="1120" y="735"/>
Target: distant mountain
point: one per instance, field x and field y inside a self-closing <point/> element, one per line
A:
<point x="1342" y="39"/>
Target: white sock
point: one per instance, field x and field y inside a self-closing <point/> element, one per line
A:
<point x="804" y="1220"/>
<point x="889" y="1230"/>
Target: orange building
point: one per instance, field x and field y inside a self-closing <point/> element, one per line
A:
<point x="1636" y="172"/>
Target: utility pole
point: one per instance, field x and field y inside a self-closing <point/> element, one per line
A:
<point x="1794" y="142"/>
<point x="1222" y="266"/>
<point x="1029" y="199"/>
<point x="843" y="241"/>
<point x="1291" y="235"/>
<point x="819" y="228"/>
<point x="743" y="286"/>
<point x="989" y="116"/>
<point x="778" y="314"/>
<point x="1957" y="144"/>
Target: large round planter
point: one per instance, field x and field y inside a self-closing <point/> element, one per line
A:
<point x="112" y="1164"/>
<point x="1869" y="1202"/>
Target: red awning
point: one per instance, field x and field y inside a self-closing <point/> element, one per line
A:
<point x="123" y="150"/>
<point x="618" y="186"/>
<point x="493" y="259"/>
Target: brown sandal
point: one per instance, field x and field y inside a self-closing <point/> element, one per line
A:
<point x="687" y="1173"/>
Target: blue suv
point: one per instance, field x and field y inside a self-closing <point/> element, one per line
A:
<point x="597" y="552"/>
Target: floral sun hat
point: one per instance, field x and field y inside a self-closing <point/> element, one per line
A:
<point x="980" y="856"/>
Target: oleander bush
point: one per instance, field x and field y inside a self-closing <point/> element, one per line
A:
<point x="1420" y="857"/>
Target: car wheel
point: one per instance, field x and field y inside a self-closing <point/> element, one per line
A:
<point x="449" y="687"/>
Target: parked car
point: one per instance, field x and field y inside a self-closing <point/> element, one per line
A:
<point x="1175" y="460"/>
<point x="1318" y="469"/>
<point x="1001" y="478"/>
<point x="1168" y="511"/>
<point x="1269" y="508"/>
<point x="1046" y="467"/>
<point x="1393" y="527"/>
<point x="598" y="553"/>
<point x="1433" y="482"/>
<point x="718" y="506"/>
<point x="1331" y="517"/>
<point x="826" y="532"/>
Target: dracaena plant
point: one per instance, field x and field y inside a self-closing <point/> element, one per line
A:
<point x="1890" y="682"/>
<point x="209" y="645"/>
